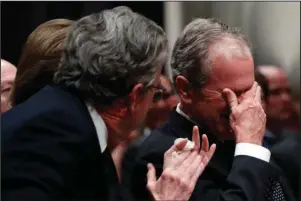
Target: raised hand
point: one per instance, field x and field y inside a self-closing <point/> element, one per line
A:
<point x="247" y="119"/>
<point x="181" y="173"/>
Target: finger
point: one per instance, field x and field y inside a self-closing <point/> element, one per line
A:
<point x="184" y="166"/>
<point x="196" y="168"/>
<point x="211" y="152"/>
<point x="206" y="156"/>
<point x="196" y="137"/>
<point x="177" y="147"/>
<point x="258" y="94"/>
<point x="205" y="143"/>
<point x="250" y="93"/>
<point x="202" y="164"/>
<point x="178" y="160"/>
<point x="196" y="173"/>
<point x="151" y="177"/>
<point x="230" y="98"/>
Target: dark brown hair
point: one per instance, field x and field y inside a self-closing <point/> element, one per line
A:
<point x="39" y="59"/>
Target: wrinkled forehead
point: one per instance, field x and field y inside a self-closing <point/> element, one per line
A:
<point x="235" y="73"/>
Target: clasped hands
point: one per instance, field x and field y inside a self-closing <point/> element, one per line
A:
<point x="180" y="172"/>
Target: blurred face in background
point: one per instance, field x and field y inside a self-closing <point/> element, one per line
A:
<point x="8" y="73"/>
<point x="162" y="104"/>
<point x="279" y="101"/>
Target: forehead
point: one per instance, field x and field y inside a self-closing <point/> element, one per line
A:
<point x="236" y="73"/>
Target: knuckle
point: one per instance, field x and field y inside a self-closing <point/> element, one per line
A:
<point x="167" y="175"/>
<point x="190" y="188"/>
<point x="178" y="180"/>
<point x="182" y="182"/>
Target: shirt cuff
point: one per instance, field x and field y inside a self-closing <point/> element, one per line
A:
<point x="253" y="150"/>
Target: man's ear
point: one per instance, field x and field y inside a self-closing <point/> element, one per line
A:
<point x="136" y="96"/>
<point x="184" y="89"/>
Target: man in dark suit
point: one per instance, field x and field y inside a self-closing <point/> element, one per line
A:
<point x="214" y="77"/>
<point x="162" y="104"/>
<point x="285" y="146"/>
<point x="65" y="142"/>
<point x="287" y="155"/>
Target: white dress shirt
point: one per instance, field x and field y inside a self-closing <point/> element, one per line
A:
<point x="101" y="128"/>
<point x="247" y="149"/>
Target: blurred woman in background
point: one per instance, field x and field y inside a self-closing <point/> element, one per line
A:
<point x="39" y="59"/>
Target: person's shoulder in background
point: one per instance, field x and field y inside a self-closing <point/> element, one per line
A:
<point x="286" y="153"/>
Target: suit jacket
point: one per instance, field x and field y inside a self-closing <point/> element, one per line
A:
<point x="130" y="155"/>
<point x="50" y="151"/>
<point x="240" y="178"/>
<point x="287" y="155"/>
<point x="269" y="139"/>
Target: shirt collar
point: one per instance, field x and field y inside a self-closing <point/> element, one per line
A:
<point x="100" y="126"/>
<point x="183" y="114"/>
<point x="178" y="110"/>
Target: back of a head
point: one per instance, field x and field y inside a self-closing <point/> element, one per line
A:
<point x="201" y="41"/>
<point x="40" y="58"/>
<point x="107" y="53"/>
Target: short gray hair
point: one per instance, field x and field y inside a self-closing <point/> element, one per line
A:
<point x="107" y="53"/>
<point x="190" y="55"/>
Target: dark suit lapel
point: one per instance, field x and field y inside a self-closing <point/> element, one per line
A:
<point x="222" y="159"/>
<point x="115" y="190"/>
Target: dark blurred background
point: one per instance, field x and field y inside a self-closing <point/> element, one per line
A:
<point x="19" y="19"/>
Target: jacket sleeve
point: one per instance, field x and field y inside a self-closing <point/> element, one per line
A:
<point x="39" y="160"/>
<point x="246" y="181"/>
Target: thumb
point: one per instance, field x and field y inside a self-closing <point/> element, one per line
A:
<point x="151" y="177"/>
<point x="179" y="145"/>
<point x="231" y="98"/>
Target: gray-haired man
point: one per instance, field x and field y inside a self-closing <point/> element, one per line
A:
<point x="65" y="142"/>
<point x="214" y="77"/>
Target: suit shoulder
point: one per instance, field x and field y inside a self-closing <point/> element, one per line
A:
<point x="48" y="110"/>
